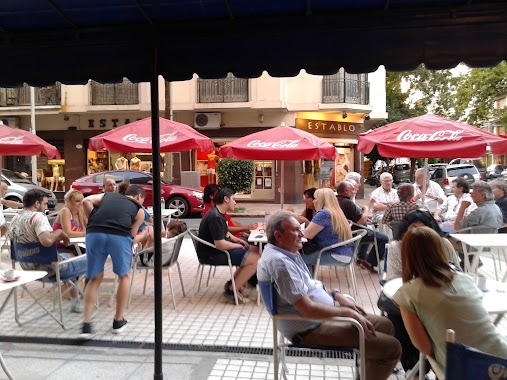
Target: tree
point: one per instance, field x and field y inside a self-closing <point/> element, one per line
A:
<point x="236" y="175"/>
<point x="476" y="95"/>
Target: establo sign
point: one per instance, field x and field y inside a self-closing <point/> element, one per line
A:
<point x="329" y="128"/>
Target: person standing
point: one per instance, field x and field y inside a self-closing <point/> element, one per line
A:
<point x="109" y="185"/>
<point x="113" y="221"/>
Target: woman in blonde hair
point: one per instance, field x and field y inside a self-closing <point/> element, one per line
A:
<point x="71" y="218"/>
<point x="328" y="226"/>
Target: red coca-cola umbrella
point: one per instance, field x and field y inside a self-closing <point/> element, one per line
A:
<point x="136" y="137"/>
<point x="431" y="136"/>
<point x="18" y="142"/>
<point x="279" y="143"/>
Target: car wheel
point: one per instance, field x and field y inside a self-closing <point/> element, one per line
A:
<point x="468" y="177"/>
<point x="181" y="206"/>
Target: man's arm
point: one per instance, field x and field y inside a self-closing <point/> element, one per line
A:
<point x="47" y="238"/>
<point x="11" y="204"/>
<point x="364" y="217"/>
<point x="235" y="243"/>
<point x="309" y="309"/>
<point x="92" y="201"/>
<point x="137" y="221"/>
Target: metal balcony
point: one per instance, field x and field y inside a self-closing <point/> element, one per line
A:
<point x="226" y="90"/>
<point x="20" y="96"/>
<point x="114" y="93"/>
<point x="343" y="90"/>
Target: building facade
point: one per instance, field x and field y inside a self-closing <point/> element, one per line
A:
<point x="335" y="108"/>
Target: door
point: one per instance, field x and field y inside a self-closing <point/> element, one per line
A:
<point x="146" y="182"/>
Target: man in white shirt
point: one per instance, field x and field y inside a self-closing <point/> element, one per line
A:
<point x="435" y="195"/>
<point x="382" y="197"/>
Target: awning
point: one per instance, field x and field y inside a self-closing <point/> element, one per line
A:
<point x="74" y="41"/>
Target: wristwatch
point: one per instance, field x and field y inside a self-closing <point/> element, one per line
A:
<point x="334" y="292"/>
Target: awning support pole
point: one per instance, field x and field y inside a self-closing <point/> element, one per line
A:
<point x="157" y="217"/>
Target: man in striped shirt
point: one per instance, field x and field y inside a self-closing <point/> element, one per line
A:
<point x="299" y="294"/>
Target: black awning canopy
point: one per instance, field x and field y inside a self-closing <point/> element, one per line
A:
<point x="73" y="41"/>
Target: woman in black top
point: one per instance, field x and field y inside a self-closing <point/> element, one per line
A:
<point x="307" y="215"/>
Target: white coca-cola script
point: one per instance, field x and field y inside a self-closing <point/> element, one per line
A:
<point x="132" y="137"/>
<point x="284" y="144"/>
<point x="445" y="135"/>
<point x="12" y="140"/>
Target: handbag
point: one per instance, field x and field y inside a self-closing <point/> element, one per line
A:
<point x="309" y="247"/>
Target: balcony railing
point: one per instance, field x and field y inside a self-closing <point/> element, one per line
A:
<point x="342" y="90"/>
<point x="226" y="90"/>
<point x="20" y="96"/>
<point x="114" y="93"/>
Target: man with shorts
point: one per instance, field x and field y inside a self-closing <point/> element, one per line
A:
<point x="113" y="221"/>
<point x="213" y="229"/>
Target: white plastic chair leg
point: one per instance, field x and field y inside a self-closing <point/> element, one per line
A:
<point x="171" y="287"/>
<point x="181" y="279"/>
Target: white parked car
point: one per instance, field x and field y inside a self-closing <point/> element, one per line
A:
<point x="19" y="185"/>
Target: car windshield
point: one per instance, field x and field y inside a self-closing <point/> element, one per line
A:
<point x="15" y="177"/>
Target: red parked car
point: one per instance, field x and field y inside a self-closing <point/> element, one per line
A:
<point x="183" y="199"/>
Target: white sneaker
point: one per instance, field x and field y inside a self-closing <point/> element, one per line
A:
<point x="76" y="305"/>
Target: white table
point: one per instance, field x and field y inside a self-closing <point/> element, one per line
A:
<point x="166" y="214"/>
<point x="494" y="299"/>
<point x="78" y="242"/>
<point x="258" y="236"/>
<point x="24" y="278"/>
<point x="479" y="242"/>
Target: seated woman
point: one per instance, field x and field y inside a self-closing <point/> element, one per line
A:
<point x="457" y="205"/>
<point x="235" y="227"/>
<point x="328" y="226"/>
<point x="71" y="218"/>
<point x="308" y="213"/>
<point x="430" y="284"/>
<point x="499" y="188"/>
<point x="413" y="219"/>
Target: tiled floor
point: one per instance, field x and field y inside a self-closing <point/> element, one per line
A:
<point x="209" y="320"/>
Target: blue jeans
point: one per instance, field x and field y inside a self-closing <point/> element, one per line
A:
<point x="73" y="269"/>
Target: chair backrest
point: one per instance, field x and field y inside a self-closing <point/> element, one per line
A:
<point x="467" y="363"/>
<point x="268" y="293"/>
<point x="33" y="253"/>
<point x="194" y="235"/>
<point x="394" y="225"/>
<point x="177" y="247"/>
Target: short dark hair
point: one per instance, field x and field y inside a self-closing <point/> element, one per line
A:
<point x="210" y="190"/>
<point x="310" y="192"/>
<point x="221" y="194"/>
<point x="122" y="187"/>
<point x="32" y="196"/>
<point x="134" y="190"/>
<point x="418" y="215"/>
<point x="343" y="186"/>
<point x="462" y="184"/>
<point x="405" y="192"/>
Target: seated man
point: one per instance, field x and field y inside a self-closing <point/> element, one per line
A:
<point x="396" y="211"/>
<point x="213" y="229"/>
<point x="382" y="197"/>
<point x="487" y="216"/>
<point x="359" y="215"/>
<point x="301" y="295"/>
<point x="434" y="195"/>
<point x="32" y="226"/>
<point x="7" y="203"/>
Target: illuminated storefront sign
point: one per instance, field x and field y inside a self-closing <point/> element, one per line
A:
<point x="329" y="128"/>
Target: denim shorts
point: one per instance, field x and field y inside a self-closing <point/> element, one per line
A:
<point x="101" y="245"/>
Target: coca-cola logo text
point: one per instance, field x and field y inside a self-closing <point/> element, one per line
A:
<point x="12" y="140"/>
<point x="132" y="137"/>
<point x="284" y="144"/>
<point x="445" y="135"/>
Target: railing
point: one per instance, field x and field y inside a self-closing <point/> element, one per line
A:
<point x="226" y="90"/>
<point x="114" y="93"/>
<point x="342" y="90"/>
<point x="20" y="96"/>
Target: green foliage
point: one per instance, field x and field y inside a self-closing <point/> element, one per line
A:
<point x="237" y="175"/>
<point x="476" y="96"/>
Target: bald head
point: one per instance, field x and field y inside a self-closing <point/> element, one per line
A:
<point x="109" y="185"/>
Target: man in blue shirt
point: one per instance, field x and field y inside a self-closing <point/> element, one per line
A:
<point x="299" y="294"/>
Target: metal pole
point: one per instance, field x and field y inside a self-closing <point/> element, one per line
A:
<point x="32" y="129"/>
<point x="157" y="218"/>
